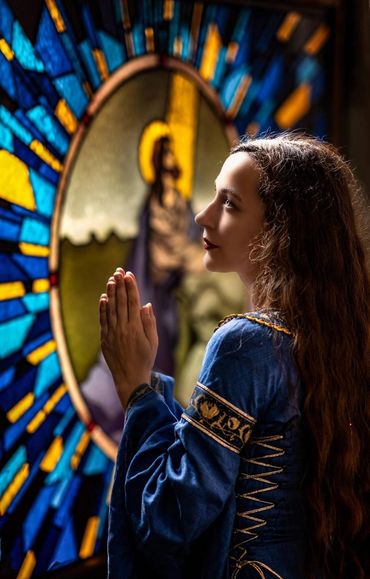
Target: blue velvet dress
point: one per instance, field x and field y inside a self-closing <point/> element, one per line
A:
<point x="214" y="491"/>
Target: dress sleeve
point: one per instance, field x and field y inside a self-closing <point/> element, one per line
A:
<point x="175" y="474"/>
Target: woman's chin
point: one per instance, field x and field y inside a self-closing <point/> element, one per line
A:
<point x="211" y="264"/>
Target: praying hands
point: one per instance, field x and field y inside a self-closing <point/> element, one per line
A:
<point x="128" y="334"/>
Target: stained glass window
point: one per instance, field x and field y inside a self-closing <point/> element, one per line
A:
<point x="64" y="65"/>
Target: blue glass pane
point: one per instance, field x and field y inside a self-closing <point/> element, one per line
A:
<point x="69" y="88"/>
<point x="87" y="56"/>
<point x="307" y="69"/>
<point x="138" y="39"/>
<point x="15" y="126"/>
<point x="36" y="516"/>
<point x="241" y="27"/>
<point x="63" y="512"/>
<point x="272" y="79"/>
<point x="6" y="138"/>
<point x="64" y="422"/>
<point x="35" y="232"/>
<point x="220" y="68"/>
<point x="6" y="21"/>
<point x="41" y="325"/>
<point x="63" y="405"/>
<point x="64" y="464"/>
<point x="44" y="193"/>
<point x="9" y="230"/>
<point x="229" y="88"/>
<point x="48" y="372"/>
<point x="89" y="26"/>
<point x="96" y="462"/>
<point x="36" y="267"/>
<point x="6" y="77"/>
<point x="50" y="128"/>
<point x="9" y="270"/>
<point x="6" y="377"/>
<point x="72" y="51"/>
<point x="51" y="48"/>
<point x="11" y="468"/>
<point x="13" y="333"/>
<point x="113" y="51"/>
<point x="24" y="50"/>
<point x="10" y="309"/>
<point x="250" y="97"/>
<point x="318" y="86"/>
<point x="67" y="548"/>
<point x="61" y="488"/>
<point x="36" y="302"/>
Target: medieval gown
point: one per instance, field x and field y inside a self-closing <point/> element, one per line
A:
<point x="215" y="490"/>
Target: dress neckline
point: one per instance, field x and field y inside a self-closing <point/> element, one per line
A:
<point x="269" y="317"/>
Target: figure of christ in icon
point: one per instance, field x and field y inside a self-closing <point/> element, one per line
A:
<point x="166" y="248"/>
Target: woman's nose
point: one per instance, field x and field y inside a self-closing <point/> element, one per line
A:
<point x="203" y="217"/>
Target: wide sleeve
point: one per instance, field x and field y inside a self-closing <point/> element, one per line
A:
<point x="175" y="474"/>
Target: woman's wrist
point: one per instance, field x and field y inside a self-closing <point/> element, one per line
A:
<point x="125" y="391"/>
<point x="137" y="393"/>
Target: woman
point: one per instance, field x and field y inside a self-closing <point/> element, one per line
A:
<point x="265" y="473"/>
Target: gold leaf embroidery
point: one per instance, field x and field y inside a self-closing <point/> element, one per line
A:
<point x="208" y="409"/>
<point x="233" y="423"/>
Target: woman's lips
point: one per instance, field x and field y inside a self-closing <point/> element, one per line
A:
<point x="208" y="245"/>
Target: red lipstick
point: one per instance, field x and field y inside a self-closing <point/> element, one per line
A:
<point x="208" y="245"/>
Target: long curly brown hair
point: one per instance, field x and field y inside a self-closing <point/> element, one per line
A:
<point x="312" y="267"/>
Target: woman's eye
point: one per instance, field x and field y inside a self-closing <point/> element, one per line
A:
<point x="229" y="203"/>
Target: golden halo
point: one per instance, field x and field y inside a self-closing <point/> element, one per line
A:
<point x="151" y="133"/>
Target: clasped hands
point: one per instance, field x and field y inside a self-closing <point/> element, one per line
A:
<point x="128" y="334"/>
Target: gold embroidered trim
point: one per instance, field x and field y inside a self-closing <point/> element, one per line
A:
<point x="257" y="319"/>
<point x="269" y="324"/>
<point x="226" y="402"/>
<point x="202" y="429"/>
<point x="218" y="418"/>
<point x="255" y="522"/>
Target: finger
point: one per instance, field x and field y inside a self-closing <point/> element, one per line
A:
<point x="133" y="297"/>
<point x="121" y="299"/>
<point x="120" y="270"/>
<point x="112" y="312"/>
<point x="149" y="324"/>
<point x="103" y="319"/>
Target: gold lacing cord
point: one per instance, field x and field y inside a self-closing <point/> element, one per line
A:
<point x="250" y="515"/>
<point x="258" y="566"/>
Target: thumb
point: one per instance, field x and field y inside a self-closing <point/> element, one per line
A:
<point x="149" y="324"/>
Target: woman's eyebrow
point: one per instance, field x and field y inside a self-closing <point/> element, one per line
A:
<point x="229" y="191"/>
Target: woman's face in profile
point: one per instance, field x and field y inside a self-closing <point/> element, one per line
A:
<point x="233" y="218"/>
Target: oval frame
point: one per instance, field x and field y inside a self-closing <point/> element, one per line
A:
<point x="123" y="74"/>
